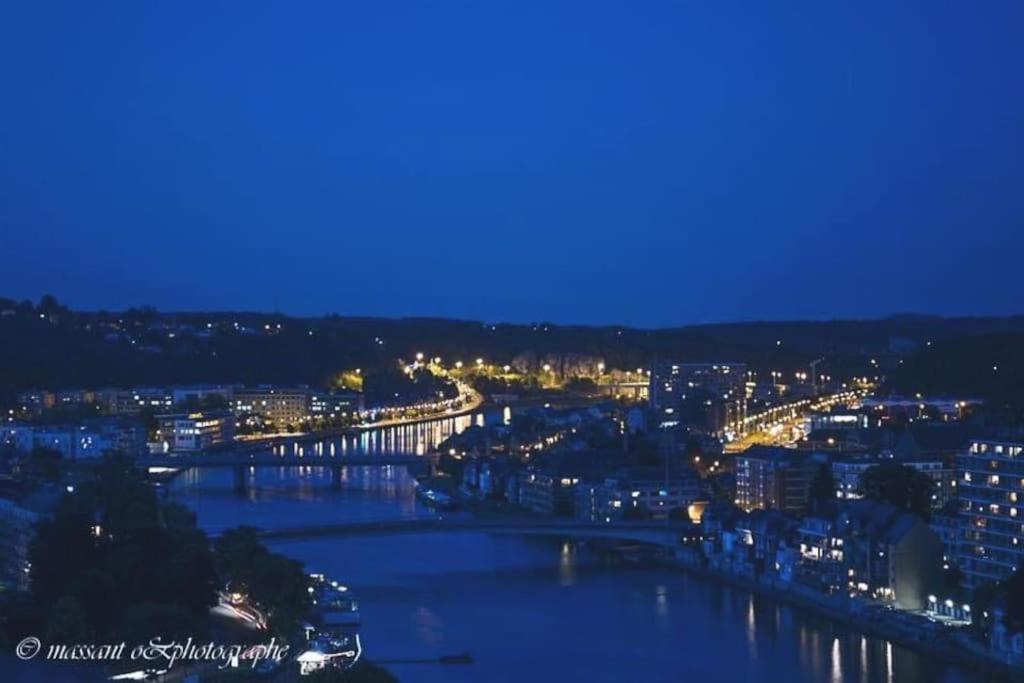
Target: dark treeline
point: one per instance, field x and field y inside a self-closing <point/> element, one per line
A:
<point x="46" y="345"/>
<point x="987" y="366"/>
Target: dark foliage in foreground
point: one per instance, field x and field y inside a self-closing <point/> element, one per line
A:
<point x="114" y="563"/>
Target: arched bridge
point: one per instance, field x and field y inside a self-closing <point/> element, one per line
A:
<point x="240" y="463"/>
<point x="649" y="533"/>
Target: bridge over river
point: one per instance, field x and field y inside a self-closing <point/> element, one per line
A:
<point x="648" y="533"/>
<point x="241" y="463"/>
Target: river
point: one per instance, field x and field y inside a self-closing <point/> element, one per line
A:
<point x="541" y="609"/>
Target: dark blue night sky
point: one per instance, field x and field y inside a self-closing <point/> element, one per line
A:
<point x="643" y="163"/>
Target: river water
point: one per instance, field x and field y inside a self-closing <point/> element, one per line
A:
<point x="540" y="609"/>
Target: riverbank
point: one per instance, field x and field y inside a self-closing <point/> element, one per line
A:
<point x="472" y="402"/>
<point x="952" y="648"/>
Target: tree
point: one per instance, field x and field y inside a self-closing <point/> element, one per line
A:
<point x="43" y="463"/>
<point x="274" y="582"/>
<point x="67" y="622"/>
<point x="823" y="488"/>
<point x="900" y="486"/>
<point x="49" y="306"/>
<point x="110" y="549"/>
<point x="139" y="623"/>
<point x="1014" y="600"/>
<point x="581" y="385"/>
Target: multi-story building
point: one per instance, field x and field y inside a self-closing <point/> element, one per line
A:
<point x="548" y="484"/>
<point x="848" y="470"/>
<point x="641" y="493"/>
<point x="73" y="397"/>
<point x="199" y="393"/>
<point x="17" y="527"/>
<point x="872" y="549"/>
<point x="709" y="396"/>
<point x="194" y="431"/>
<point x="74" y="441"/>
<point x="281" y="405"/>
<point x="990" y="486"/>
<point x="774" y="478"/>
<point x="487" y="476"/>
<point x="335" y="404"/>
<point x="33" y="403"/>
<point x="948" y="526"/>
<point x="545" y="491"/>
<point x="131" y="401"/>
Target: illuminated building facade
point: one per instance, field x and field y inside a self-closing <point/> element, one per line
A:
<point x="709" y="396"/>
<point x="990" y="485"/>
<point x="194" y="431"/>
<point x="773" y="478"/>
<point x="280" y="405"/>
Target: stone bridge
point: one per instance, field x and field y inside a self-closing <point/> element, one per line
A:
<point x="241" y="463"/>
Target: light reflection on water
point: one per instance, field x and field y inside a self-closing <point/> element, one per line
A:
<point x="418" y="438"/>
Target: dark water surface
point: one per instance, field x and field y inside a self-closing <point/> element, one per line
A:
<point x="540" y="609"/>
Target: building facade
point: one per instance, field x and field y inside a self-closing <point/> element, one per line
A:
<point x="847" y="473"/>
<point x="708" y="396"/>
<point x="80" y="440"/>
<point x="330" y="405"/>
<point x="873" y="550"/>
<point x="640" y="493"/>
<point x="281" y="405"/>
<point x="17" y="528"/>
<point x="990" y="486"/>
<point x="184" y="432"/>
<point x="773" y="478"/>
